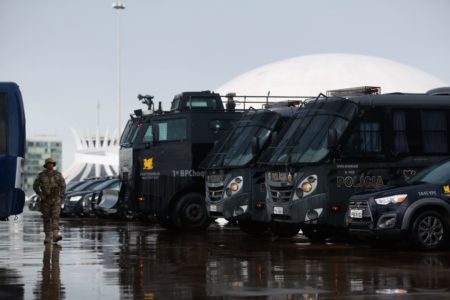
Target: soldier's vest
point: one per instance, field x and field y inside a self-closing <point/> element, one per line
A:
<point x="49" y="185"/>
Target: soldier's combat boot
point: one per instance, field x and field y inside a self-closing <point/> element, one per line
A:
<point x="57" y="236"/>
<point x="48" y="237"/>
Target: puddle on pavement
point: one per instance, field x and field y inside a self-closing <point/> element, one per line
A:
<point x="101" y="259"/>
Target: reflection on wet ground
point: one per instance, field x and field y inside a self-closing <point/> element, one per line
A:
<point x="102" y="259"/>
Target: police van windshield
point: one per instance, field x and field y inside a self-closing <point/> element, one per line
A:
<point x="237" y="149"/>
<point x="306" y="140"/>
<point x="436" y="174"/>
<point x="131" y="131"/>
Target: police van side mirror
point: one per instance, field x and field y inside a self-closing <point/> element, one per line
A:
<point x="255" y="144"/>
<point x="332" y="138"/>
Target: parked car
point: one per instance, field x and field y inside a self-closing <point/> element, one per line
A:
<point x="418" y="211"/>
<point x="106" y="203"/>
<point x="78" y="202"/>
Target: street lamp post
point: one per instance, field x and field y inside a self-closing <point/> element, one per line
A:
<point x="118" y="6"/>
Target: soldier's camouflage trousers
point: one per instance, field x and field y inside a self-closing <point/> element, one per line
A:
<point x="51" y="208"/>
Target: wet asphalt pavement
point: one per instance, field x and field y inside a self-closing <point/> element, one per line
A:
<point x="103" y="259"/>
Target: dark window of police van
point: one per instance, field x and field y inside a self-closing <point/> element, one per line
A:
<point x="3" y="123"/>
<point x="400" y="143"/>
<point x="172" y="130"/>
<point x="434" y="130"/>
<point x="367" y="134"/>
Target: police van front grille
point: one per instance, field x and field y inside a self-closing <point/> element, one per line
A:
<point x="366" y="213"/>
<point x="215" y="193"/>
<point x="280" y="193"/>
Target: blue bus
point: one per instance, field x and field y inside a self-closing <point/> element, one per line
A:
<point x="12" y="150"/>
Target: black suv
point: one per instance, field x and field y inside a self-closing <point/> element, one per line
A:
<point x="419" y="210"/>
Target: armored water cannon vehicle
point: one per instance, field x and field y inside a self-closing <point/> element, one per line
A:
<point x="159" y="157"/>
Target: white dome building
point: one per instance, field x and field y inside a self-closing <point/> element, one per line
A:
<point x="313" y="74"/>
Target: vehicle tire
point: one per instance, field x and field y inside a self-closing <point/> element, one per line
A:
<point x="429" y="230"/>
<point x="253" y="228"/>
<point x="284" y="229"/>
<point x="189" y="213"/>
<point x="315" y="234"/>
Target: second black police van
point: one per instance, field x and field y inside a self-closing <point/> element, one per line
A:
<point x="235" y="187"/>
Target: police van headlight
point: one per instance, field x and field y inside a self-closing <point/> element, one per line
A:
<point x="395" y="199"/>
<point x="306" y="187"/>
<point x="234" y="186"/>
<point x="75" y="198"/>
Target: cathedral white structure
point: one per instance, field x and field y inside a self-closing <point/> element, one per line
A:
<point x="96" y="155"/>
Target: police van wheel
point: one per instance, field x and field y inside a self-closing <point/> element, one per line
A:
<point x="315" y="235"/>
<point x="284" y="229"/>
<point x="189" y="213"/>
<point x="253" y="228"/>
<point x="430" y="230"/>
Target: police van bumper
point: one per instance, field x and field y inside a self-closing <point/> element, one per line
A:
<point x="308" y="210"/>
<point x="365" y="221"/>
<point x="242" y="207"/>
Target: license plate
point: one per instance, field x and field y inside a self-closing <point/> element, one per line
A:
<point x="278" y="210"/>
<point x="278" y="176"/>
<point x="356" y="213"/>
<point x="213" y="208"/>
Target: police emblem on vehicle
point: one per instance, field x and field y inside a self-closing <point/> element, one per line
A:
<point x="148" y="164"/>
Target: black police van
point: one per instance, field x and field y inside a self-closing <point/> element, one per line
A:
<point x="159" y="157"/>
<point x="419" y="210"/>
<point x="235" y="187"/>
<point x="338" y="146"/>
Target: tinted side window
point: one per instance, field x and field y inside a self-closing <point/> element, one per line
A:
<point x="148" y="136"/>
<point x="367" y="134"/>
<point x="172" y="130"/>
<point x="400" y="143"/>
<point x="3" y="123"/>
<point x="434" y="128"/>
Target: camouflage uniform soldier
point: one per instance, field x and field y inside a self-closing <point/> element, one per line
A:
<point x="50" y="185"/>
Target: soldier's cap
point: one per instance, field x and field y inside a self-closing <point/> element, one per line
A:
<point x="49" y="161"/>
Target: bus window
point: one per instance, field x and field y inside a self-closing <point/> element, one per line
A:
<point x="172" y="130"/>
<point x="434" y="128"/>
<point x="3" y="123"/>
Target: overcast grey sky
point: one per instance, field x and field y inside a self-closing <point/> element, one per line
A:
<point x="63" y="53"/>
